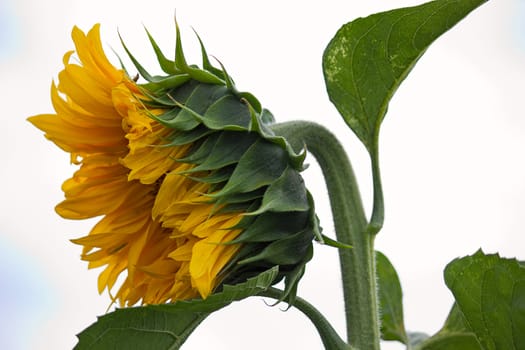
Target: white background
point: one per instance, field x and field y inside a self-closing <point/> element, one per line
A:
<point x="452" y="152"/>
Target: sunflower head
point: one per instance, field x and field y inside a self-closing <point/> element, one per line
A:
<point x="194" y="189"/>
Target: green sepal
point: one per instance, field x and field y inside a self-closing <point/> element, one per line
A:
<point x="313" y="219"/>
<point x="228" y="81"/>
<point x="260" y="165"/>
<point x="183" y="121"/>
<point x="235" y="207"/>
<point x="292" y="278"/>
<point x="155" y="82"/>
<point x="169" y="82"/>
<point x="178" y="95"/>
<point x="334" y="243"/>
<point x="200" y="152"/>
<point x="217" y="177"/>
<point x="206" y="64"/>
<point x="251" y="99"/>
<point x="267" y="118"/>
<point x="252" y="197"/>
<point x="155" y="100"/>
<point x="143" y="72"/>
<point x="178" y="91"/>
<point x="227" y="113"/>
<point x="227" y="150"/>
<point x="200" y="99"/>
<point x="192" y="136"/>
<point x="239" y="200"/>
<point x="231" y="120"/>
<point x="270" y="226"/>
<point x="286" y="251"/>
<point x="258" y="125"/>
<point x="167" y="65"/>
<point x="296" y="159"/>
<point x="197" y="74"/>
<point x="286" y="194"/>
<point x="167" y="117"/>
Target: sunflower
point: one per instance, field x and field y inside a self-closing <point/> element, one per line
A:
<point x="192" y="187"/>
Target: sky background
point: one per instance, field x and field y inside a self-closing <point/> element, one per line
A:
<point x="452" y="154"/>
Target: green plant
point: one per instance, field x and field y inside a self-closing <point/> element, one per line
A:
<point x="363" y="66"/>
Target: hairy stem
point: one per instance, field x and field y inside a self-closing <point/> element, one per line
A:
<point x="357" y="264"/>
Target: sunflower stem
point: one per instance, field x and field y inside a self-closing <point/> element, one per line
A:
<point x="329" y="336"/>
<point x="358" y="264"/>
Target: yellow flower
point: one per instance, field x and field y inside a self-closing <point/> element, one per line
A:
<point x="180" y="207"/>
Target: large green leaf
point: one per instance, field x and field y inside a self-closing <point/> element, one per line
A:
<point x="450" y="341"/>
<point x="455" y="335"/>
<point x="164" y="326"/>
<point x="490" y="299"/>
<point x="368" y="59"/>
<point x="489" y="312"/>
<point x="456" y="321"/>
<point x="390" y="299"/>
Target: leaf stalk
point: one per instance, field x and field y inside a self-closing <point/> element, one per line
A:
<point x="329" y="336"/>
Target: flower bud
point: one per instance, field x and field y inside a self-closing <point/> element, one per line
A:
<point x="194" y="189"/>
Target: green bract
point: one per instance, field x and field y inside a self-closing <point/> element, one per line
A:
<point x="248" y="167"/>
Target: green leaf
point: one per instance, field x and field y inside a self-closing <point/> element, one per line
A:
<point x="490" y="294"/>
<point x="390" y="299"/>
<point x="414" y="338"/>
<point x="455" y="335"/>
<point x="456" y="321"/>
<point x="450" y="341"/>
<point x="368" y="58"/>
<point x="165" y="326"/>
